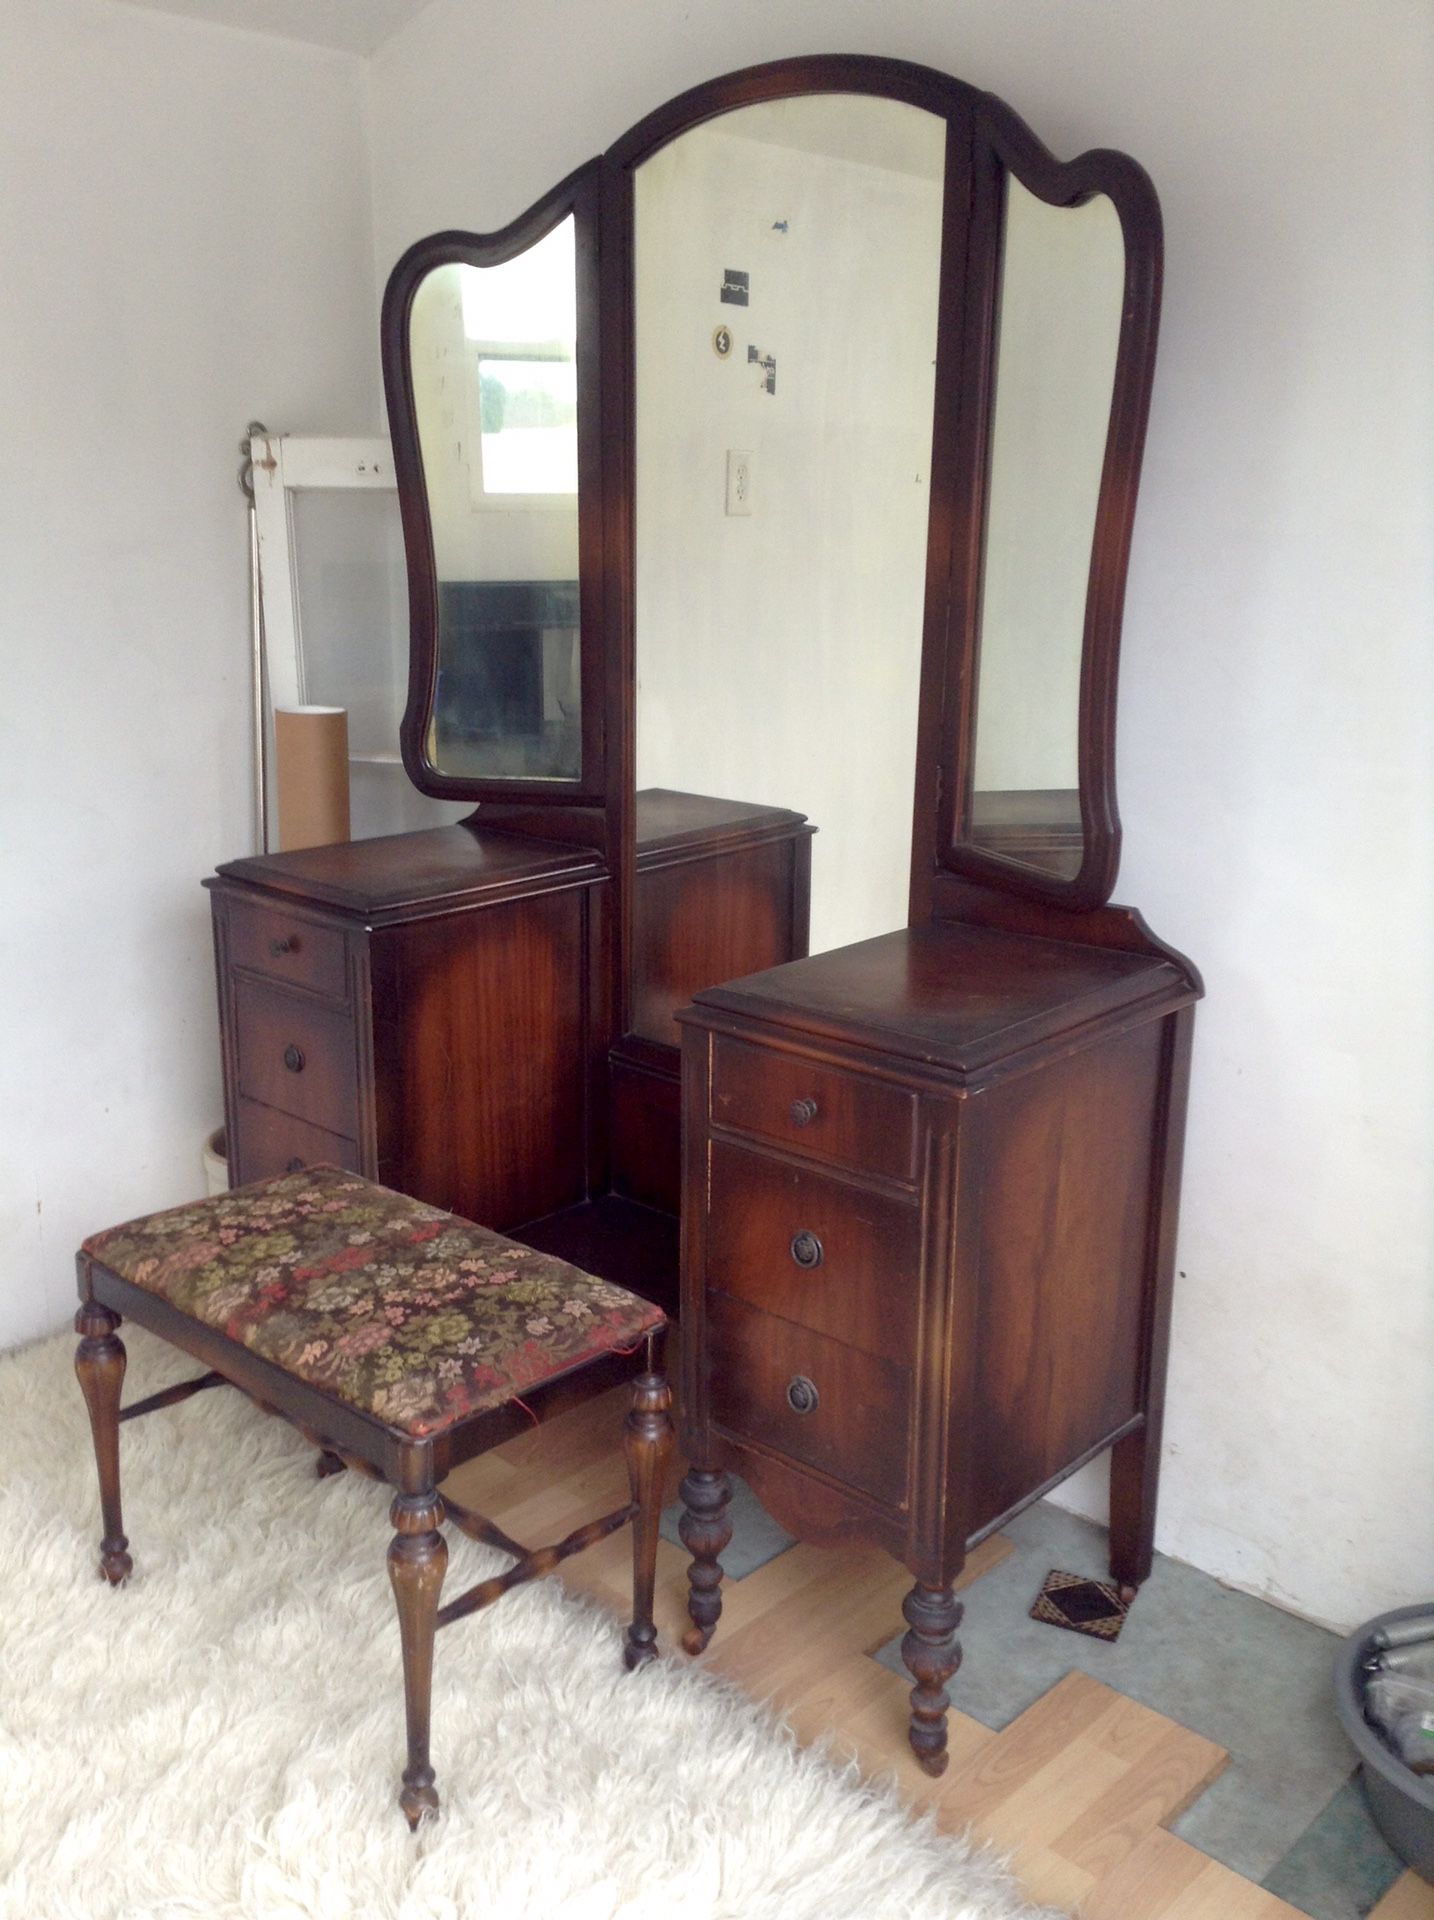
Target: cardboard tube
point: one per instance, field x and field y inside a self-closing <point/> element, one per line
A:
<point x="311" y="774"/>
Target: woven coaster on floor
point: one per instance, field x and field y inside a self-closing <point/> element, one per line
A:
<point x="1085" y="1606"/>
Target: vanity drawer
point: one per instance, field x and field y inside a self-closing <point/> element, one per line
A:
<point x="298" y="1056"/>
<point x="844" y="1118"/>
<point x="819" y="1402"/>
<point x="831" y="1256"/>
<point x="271" y="1142"/>
<point x="300" y="952"/>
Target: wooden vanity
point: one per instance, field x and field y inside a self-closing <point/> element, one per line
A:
<point x="797" y="438"/>
<point x="432" y="1010"/>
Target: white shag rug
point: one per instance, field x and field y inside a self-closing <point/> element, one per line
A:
<point x="224" y="1736"/>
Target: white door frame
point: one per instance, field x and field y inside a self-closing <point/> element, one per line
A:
<point x="286" y="464"/>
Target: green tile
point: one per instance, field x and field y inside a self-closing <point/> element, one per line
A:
<point x="1340" y="1867"/>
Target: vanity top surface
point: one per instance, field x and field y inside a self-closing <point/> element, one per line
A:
<point x="951" y="995"/>
<point x="401" y="870"/>
<point x="667" y="820"/>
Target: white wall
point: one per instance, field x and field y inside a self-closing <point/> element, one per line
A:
<point x="184" y="227"/>
<point x="1276" y="764"/>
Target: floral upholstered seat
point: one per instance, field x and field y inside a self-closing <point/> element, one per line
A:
<point x="407" y="1313"/>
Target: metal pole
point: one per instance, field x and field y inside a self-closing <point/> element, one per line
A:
<point x="257" y="650"/>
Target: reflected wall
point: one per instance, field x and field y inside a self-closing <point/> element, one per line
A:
<point x="779" y="620"/>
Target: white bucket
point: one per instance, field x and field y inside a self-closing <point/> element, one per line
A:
<point x="216" y="1166"/>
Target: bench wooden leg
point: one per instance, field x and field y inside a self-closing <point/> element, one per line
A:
<point x="417" y="1561"/>
<point x="100" y="1364"/>
<point x="647" y="1441"/>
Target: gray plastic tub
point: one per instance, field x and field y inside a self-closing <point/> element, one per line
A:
<point x="1401" y="1802"/>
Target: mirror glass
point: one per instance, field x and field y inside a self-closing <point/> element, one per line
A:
<point x="786" y="280"/>
<point x="1061" y="293"/>
<point x="351" y="616"/>
<point x="494" y="366"/>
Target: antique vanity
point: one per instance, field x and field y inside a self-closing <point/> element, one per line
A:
<point x="777" y="468"/>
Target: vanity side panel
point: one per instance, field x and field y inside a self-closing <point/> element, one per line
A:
<point x="717" y="917"/>
<point x="480" y="1031"/>
<point x="1063" y="1247"/>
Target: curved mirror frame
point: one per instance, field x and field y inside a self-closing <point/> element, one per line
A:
<point x="576" y="199"/>
<point x="1005" y="148"/>
<point x="985" y="142"/>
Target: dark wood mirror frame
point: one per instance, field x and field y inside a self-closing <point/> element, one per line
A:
<point x="577" y="196"/>
<point x="1002" y="144"/>
<point x="985" y="140"/>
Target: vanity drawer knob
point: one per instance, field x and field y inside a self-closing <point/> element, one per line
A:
<point x="801" y="1113"/>
<point x="295" y="1165"/>
<point x="289" y="944"/>
<point x="294" y="1058"/>
<point x="802" y="1395"/>
<point x="806" y="1249"/>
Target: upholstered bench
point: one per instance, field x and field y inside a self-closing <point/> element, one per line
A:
<point x="400" y="1341"/>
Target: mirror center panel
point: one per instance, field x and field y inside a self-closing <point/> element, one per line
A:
<point x="787" y="281"/>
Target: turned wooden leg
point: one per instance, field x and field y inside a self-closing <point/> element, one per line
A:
<point x="706" y="1528"/>
<point x="647" y="1441"/>
<point x="932" y="1654"/>
<point x="417" y="1561"/>
<point x="1134" y="1486"/>
<point x="328" y="1463"/>
<point x="100" y="1364"/>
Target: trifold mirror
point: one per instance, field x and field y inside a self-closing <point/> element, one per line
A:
<point x="787" y="453"/>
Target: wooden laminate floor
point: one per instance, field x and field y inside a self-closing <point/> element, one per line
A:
<point x="1079" y="1788"/>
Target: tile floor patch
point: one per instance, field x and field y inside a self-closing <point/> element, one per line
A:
<point x="756" y="1537"/>
<point x="1223" y="1664"/>
<point x="1340" y="1867"/>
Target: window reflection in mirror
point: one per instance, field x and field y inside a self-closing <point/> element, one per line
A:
<point x="1060" y="299"/>
<point x="495" y="390"/>
<point x="783" y="451"/>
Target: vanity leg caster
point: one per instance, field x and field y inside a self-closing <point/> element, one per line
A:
<point x="932" y="1654"/>
<point x="706" y="1529"/>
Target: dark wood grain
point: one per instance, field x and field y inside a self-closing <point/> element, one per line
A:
<point x="289" y="948"/>
<point x="700" y="920"/>
<point x="845" y="1119"/>
<point x="646" y="1159"/>
<point x="100" y="1368"/>
<point x="297" y="1055"/>
<point x="1135" y="1461"/>
<point x="435" y="870"/>
<point x="479" y="1049"/>
<point x="858" y="1428"/>
<point x="865" y="1289"/>
<point x="648" y="1439"/>
<point x="263" y="1142"/>
<point x="1063" y="1259"/>
<point x="954" y="995"/>
<point x="417" y="1561"/>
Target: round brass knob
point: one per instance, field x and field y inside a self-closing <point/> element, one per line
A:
<point x="802" y="1395"/>
<point x="293" y="1058"/>
<point x="801" y="1113"/>
<point x="806" y="1249"/>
